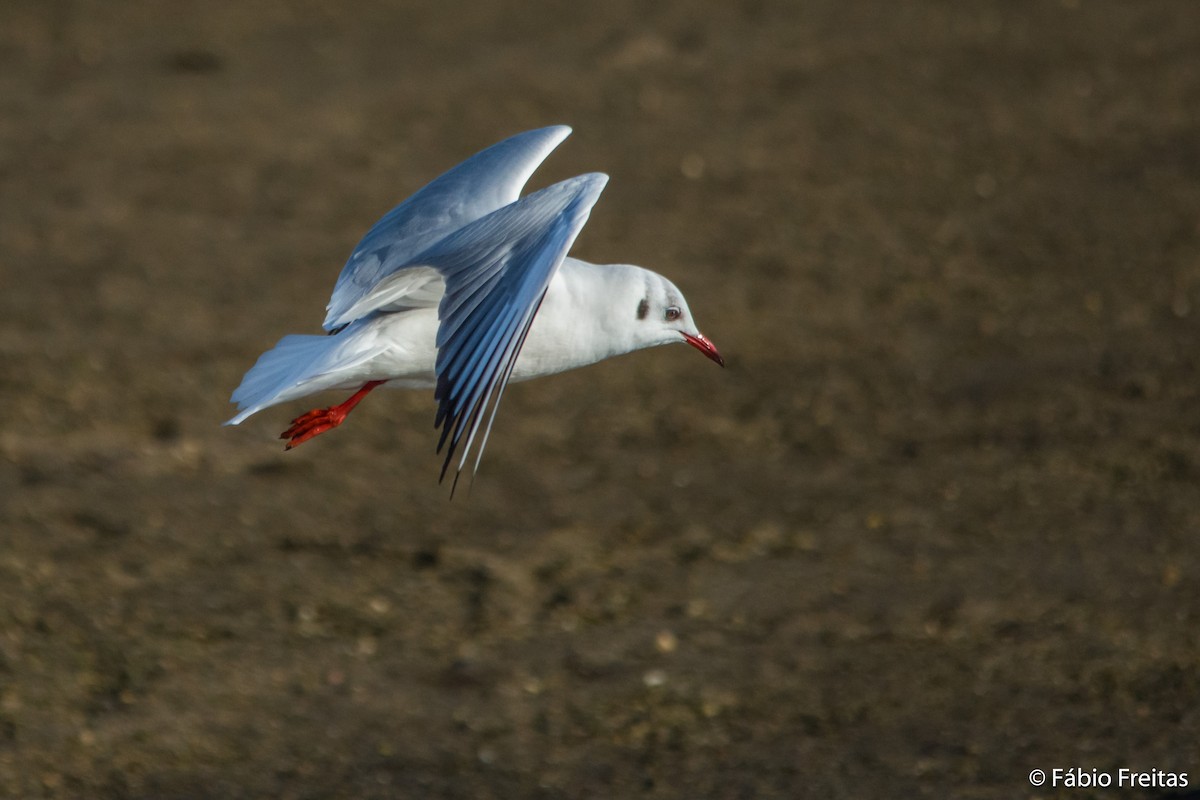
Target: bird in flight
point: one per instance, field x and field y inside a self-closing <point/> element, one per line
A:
<point x="464" y="287"/>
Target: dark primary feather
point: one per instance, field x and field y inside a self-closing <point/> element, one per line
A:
<point x="496" y="270"/>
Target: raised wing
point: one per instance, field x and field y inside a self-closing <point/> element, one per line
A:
<point x="478" y="186"/>
<point x="497" y="270"/>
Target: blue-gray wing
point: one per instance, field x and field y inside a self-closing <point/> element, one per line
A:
<point x="496" y="271"/>
<point x="483" y="183"/>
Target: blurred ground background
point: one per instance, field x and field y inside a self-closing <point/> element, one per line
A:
<point x="934" y="527"/>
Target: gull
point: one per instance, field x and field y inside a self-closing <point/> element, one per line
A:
<point x="463" y="288"/>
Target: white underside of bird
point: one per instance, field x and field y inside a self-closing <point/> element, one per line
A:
<point x="465" y="287"/>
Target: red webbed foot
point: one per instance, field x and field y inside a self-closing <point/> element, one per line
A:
<point x="308" y="425"/>
<point x="319" y="420"/>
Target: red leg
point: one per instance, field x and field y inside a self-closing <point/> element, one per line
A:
<point x="319" y="420"/>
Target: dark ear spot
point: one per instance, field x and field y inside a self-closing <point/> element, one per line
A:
<point x="643" y="308"/>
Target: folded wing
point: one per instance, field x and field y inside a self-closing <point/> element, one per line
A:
<point x="489" y="180"/>
<point x="496" y="271"/>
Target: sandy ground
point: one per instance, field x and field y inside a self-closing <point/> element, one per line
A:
<point x="933" y="528"/>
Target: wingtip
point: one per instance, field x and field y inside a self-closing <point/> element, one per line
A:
<point x="592" y="184"/>
<point x="554" y="135"/>
<point x="547" y="138"/>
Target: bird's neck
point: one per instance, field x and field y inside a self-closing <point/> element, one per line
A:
<point x="579" y="322"/>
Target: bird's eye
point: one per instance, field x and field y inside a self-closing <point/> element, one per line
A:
<point x="673" y="313"/>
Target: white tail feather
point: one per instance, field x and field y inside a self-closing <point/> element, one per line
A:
<point x="281" y="373"/>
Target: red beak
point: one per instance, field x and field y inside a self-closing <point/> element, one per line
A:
<point x="704" y="346"/>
